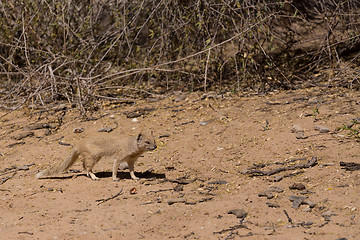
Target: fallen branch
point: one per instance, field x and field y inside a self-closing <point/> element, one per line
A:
<point x="288" y="217"/>
<point x="3" y="180"/>
<point x="101" y="201"/>
<point x="232" y="228"/>
<point x="350" y="166"/>
<point x="218" y="111"/>
<point x="256" y="172"/>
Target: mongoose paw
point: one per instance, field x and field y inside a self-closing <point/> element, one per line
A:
<point x="136" y="178"/>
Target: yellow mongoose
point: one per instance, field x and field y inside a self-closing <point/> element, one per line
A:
<point x="122" y="150"/>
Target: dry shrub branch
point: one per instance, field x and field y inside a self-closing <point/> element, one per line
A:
<point x="82" y="51"/>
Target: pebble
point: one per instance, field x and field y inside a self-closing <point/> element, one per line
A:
<point x="268" y="195"/>
<point x="327" y="215"/>
<point x="273" y="205"/>
<point x="296" y="129"/>
<point x="313" y="101"/>
<point x="78" y="130"/>
<point x="24" y="134"/>
<point x="298" y="200"/>
<point x="322" y="129"/>
<point x="134" y="120"/>
<point x="239" y="213"/>
<point x="300" y="135"/>
<point x="297" y="186"/>
<point x="105" y="129"/>
<point x="203" y="123"/>
<point x="172" y="201"/>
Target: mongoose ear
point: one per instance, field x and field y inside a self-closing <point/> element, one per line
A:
<point x="139" y="137"/>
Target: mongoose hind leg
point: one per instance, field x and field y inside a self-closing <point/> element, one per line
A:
<point x="88" y="165"/>
<point x="115" y="170"/>
<point x="92" y="175"/>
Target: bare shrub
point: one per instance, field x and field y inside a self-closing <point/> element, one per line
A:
<point x="80" y="51"/>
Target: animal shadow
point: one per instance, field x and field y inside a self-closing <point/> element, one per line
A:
<point x="126" y="175"/>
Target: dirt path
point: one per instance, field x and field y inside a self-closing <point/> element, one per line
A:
<point x="195" y="177"/>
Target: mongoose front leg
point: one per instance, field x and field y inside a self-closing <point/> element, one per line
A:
<point x="131" y="169"/>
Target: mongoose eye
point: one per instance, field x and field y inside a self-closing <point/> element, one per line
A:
<point x="147" y="142"/>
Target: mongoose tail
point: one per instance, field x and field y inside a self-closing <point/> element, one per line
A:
<point x="62" y="167"/>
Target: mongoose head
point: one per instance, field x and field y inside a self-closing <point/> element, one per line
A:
<point x="146" y="142"/>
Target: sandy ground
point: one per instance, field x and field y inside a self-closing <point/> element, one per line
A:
<point x="196" y="175"/>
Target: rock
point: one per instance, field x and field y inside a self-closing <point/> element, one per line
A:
<point x="219" y="182"/>
<point x="327" y="215"/>
<point x="23" y="135"/>
<point x="37" y="126"/>
<point x="180" y="97"/>
<point x="177" y="200"/>
<point x="297" y="186"/>
<point x="275" y="189"/>
<point x="123" y="166"/>
<point x="239" y="213"/>
<point x="321" y="129"/>
<point x="203" y="123"/>
<point x="273" y="205"/>
<point x="300" y="135"/>
<point x="313" y="101"/>
<point x="133" y="191"/>
<point x="296" y="129"/>
<point x="78" y="130"/>
<point x="179" y="188"/>
<point x="164" y="136"/>
<point x="105" y="129"/>
<point x="309" y="202"/>
<point x="298" y="200"/>
<point x="134" y="120"/>
<point x="267" y="194"/>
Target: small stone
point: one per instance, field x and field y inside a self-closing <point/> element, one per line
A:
<point x="321" y="129"/>
<point x="179" y="188"/>
<point x="313" y="101"/>
<point x="300" y="135"/>
<point x="112" y="116"/>
<point x="181" y="97"/>
<point x="275" y="189"/>
<point x="309" y="202"/>
<point x="268" y="195"/>
<point x="25" y="168"/>
<point x="297" y="186"/>
<point x="78" y="130"/>
<point x="134" y="120"/>
<point x="296" y="129"/>
<point x="298" y="200"/>
<point x="133" y="191"/>
<point x="327" y="215"/>
<point x="239" y="213"/>
<point x="23" y="135"/>
<point x="203" y="123"/>
<point x="172" y="201"/>
<point x="219" y="182"/>
<point x="273" y="205"/>
<point x="105" y="129"/>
